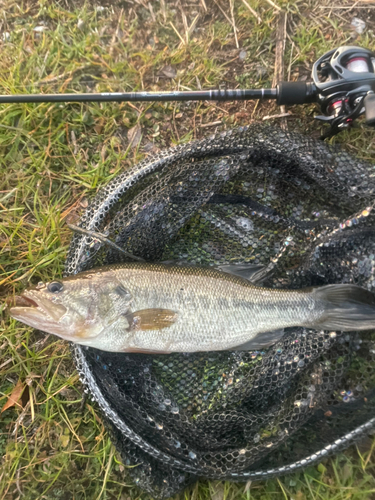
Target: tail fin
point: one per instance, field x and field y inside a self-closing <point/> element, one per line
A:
<point x="346" y="308"/>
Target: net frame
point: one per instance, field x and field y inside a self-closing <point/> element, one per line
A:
<point x="160" y="470"/>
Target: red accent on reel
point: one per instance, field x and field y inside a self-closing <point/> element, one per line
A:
<point x="335" y="107"/>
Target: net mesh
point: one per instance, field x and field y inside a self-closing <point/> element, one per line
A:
<point x="302" y="213"/>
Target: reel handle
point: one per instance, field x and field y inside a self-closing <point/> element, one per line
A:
<point x="369" y="103"/>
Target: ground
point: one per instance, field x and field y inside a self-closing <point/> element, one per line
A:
<point x="54" y="157"/>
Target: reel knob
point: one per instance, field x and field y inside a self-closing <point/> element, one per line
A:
<point x="369" y="103"/>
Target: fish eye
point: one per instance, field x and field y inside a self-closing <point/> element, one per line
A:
<point x="55" y="287"/>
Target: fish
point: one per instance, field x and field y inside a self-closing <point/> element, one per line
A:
<point x="160" y="308"/>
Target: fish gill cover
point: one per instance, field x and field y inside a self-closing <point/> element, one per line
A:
<point x="302" y="213"/>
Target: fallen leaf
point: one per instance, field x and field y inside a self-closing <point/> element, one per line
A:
<point x="150" y="147"/>
<point x="358" y="25"/>
<point x="242" y="55"/>
<point x="346" y="472"/>
<point x="168" y="71"/>
<point x="321" y="468"/>
<point x="15" y="396"/>
<point x="64" y="440"/>
<point x="99" y="126"/>
<point x="25" y="396"/>
<point x="134" y="135"/>
<point x="39" y="29"/>
<point x="240" y="114"/>
<point x="217" y="490"/>
<point x="364" y="445"/>
<point x="247" y="486"/>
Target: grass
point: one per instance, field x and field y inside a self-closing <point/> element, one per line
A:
<point x="53" y="157"/>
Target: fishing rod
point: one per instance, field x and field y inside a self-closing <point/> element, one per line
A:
<point x="343" y="85"/>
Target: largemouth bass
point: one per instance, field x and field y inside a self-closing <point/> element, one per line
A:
<point x="157" y="308"/>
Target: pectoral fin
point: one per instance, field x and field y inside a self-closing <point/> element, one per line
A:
<point x="151" y="319"/>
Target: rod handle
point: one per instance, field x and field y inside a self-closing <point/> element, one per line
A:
<point x="295" y="93"/>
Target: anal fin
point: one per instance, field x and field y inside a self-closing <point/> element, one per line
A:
<point x="144" y="351"/>
<point x="262" y="340"/>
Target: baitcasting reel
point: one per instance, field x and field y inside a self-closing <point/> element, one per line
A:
<point x="343" y="85"/>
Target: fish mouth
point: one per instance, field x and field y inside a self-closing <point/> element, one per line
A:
<point x="23" y="301"/>
<point x="38" y="312"/>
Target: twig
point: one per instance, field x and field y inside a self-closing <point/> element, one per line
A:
<point x="233" y="22"/>
<point x="224" y="14"/>
<point x="6" y="363"/>
<point x="280" y="48"/>
<point x="103" y="239"/>
<point x="63" y="75"/>
<point x="192" y="26"/>
<point x="204" y="5"/>
<point x="255" y="14"/>
<point x="290" y="61"/>
<point x="342" y="7"/>
<point x="184" y="21"/>
<point x="18" y="482"/>
<point x="274" y="5"/>
<point x="162" y="6"/>
<point x="255" y="108"/>
<point x="151" y="11"/>
<point x="177" y="33"/>
<point x="211" y="124"/>
<point x="281" y="115"/>
<point x="174" y="122"/>
<point x="115" y="33"/>
<point x="194" y="119"/>
<point x="218" y="107"/>
<point x="279" y="57"/>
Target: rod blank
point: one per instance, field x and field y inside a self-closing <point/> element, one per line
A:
<point x="198" y="95"/>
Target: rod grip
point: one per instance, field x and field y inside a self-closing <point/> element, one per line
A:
<point x="295" y="93"/>
<point x="369" y="103"/>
